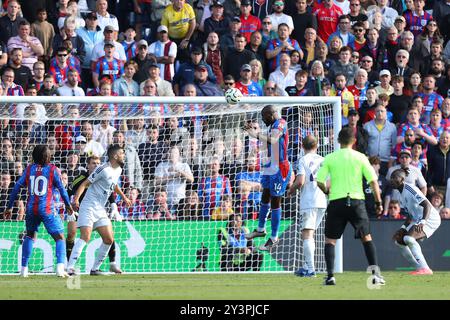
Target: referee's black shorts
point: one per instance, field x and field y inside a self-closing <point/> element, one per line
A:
<point x="338" y="214"/>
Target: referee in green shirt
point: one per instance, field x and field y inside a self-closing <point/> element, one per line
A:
<point x="346" y="168"/>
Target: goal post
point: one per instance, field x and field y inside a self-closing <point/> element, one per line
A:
<point x="178" y="221"/>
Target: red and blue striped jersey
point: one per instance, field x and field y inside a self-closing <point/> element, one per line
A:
<point x="130" y="49"/>
<point x="113" y="68"/>
<point x="15" y="90"/>
<point x="211" y="191"/>
<point x="276" y="159"/>
<point x="249" y="25"/>
<point x="430" y="102"/>
<point x="415" y="23"/>
<point x="59" y="74"/>
<point x="251" y="90"/>
<point x="275" y="43"/>
<point x="42" y="183"/>
<point x="73" y="63"/>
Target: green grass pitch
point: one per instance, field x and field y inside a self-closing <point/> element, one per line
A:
<point x="350" y="285"/>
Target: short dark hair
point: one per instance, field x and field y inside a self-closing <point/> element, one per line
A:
<point x="346" y="135"/>
<point x="41" y="154"/>
<point x="113" y="149"/>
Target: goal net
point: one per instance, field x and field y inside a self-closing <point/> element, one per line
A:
<point x="189" y="166"/>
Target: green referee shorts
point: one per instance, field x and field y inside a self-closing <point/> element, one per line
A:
<point x="338" y="214"/>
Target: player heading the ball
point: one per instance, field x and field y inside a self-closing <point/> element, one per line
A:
<point x="92" y="214"/>
<point x="276" y="172"/>
<point x="41" y="179"/>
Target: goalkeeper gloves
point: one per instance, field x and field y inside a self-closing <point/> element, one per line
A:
<point x="72" y="217"/>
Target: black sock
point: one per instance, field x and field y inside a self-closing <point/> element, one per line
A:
<point x="329" y="258"/>
<point x="112" y="252"/>
<point x="69" y="247"/>
<point x="371" y="253"/>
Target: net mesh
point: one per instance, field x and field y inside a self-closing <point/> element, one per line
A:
<point x="188" y="167"/>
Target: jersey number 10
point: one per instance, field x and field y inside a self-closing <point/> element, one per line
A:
<point x="38" y="186"/>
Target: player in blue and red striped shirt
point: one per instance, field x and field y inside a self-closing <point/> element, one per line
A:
<point x="108" y="65"/>
<point x="276" y="173"/>
<point x="42" y="179"/>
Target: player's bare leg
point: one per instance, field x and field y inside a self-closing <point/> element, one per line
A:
<point x="411" y="241"/>
<point x="108" y="238"/>
<point x="85" y="236"/>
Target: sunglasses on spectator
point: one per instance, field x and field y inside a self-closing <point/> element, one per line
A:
<point x="229" y="83"/>
<point x="62" y="54"/>
<point x="267" y="22"/>
<point x="359" y="30"/>
<point x="366" y="61"/>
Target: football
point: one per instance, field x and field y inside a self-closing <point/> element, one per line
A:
<point x="233" y="95"/>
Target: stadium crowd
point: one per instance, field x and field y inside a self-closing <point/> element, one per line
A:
<point x="389" y="61"/>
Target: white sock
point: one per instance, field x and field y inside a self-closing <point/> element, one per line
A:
<point x="308" y="250"/>
<point x="76" y="252"/>
<point x="101" y="255"/>
<point x="24" y="271"/>
<point x="407" y="254"/>
<point x="416" y="251"/>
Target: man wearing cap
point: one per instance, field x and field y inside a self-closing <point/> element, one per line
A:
<point x="400" y="24"/>
<point x="107" y="65"/>
<point x="227" y="39"/>
<point x="278" y="16"/>
<point x="246" y="85"/>
<point x="91" y="34"/>
<point x="361" y="135"/>
<point x="179" y="18"/>
<point x="185" y="73"/>
<point x="217" y="21"/>
<point x="202" y="85"/>
<point x="143" y="60"/>
<point x="99" y="49"/>
<point x="164" y="87"/>
<point x="385" y="86"/>
<point x="165" y="52"/>
<point x="250" y="23"/>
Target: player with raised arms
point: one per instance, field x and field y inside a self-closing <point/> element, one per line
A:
<point x="92" y="163"/>
<point x="313" y="202"/>
<point x="41" y="179"/>
<point x="276" y="172"/>
<point x="422" y="221"/>
<point x="92" y="214"/>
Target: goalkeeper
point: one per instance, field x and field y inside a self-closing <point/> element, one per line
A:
<point x="92" y="163"/>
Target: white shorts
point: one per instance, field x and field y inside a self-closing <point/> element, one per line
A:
<point x="311" y="218"/>
<point x="433" y="222"/>
<point x="92" y="216"/>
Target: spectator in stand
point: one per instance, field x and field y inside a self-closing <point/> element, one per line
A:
<point x="165" y="52"/>
<point x="415" y="85"/>
<point x="249" y="23"/>
<point x="143" y="60"/>
<point x="300" y="88"/>
<point x="255" y="45"/>
<point x="68" y="33"/>
<point x="334" y="48"/>
<point x="277" y="17"/>
<point x="361" y="135"/>
<point x="394" y="211"/>
<point x="360" y="87"/>
<point x="327" y="14"/>
<point x="132" y="168"/>
<point x="91" y="35"/>
<point x="212" y="188"/>
<point x="386" y="11"/>
<point x="302" y="20"/>
<point x="9" y="86"/>
<point x="104" y="17"/>
<point x="310" y="45"/>
<point x="382" y="137"/>
<point x="392" y="45"/>
<point x="248" y="182"/>
<point x="107" y="65"/>
<point x="71" y="88"/>
<point x="92" y="147"/>
<point x="66" y="133"/>
<point x="398" y="102"/>
<point x="217" y="22"/>
<point x="347" y="98"/>
<point x="189" y="208"/>
<point x="360" y="36"/>
<point x="444" y="85"/>
<point x="137" y="210"/>
<point x="246" y="85"/>
<point x="60" y="69"/>
<point x="225" y="210"/>
<point x="163" y="87"/>
<point x="214" y="55"/>
<point x="72" y="14"/>
<point x="31" y="46"/>
<point x="6" y="186"/>
<point x="356" y="14"/>
<point x="22" y="74"/>
<point x="99" y="49"/>
<point x="38" y="74"/>
<point x="436" y="125"/>
<point x="3" y="55"/>
<point x="418" y="18"/>
<point x="430" y="35"/>
<point x="401" y="67"/>
<point x="431" y="99"/>
<point x="179" y="18"/>
<point x="228" y="38"/>
<point x="438" y="162"/>
<point x="202" y="11"/>
<point x="266" y="32"/>
<point x="343" y="66"/>
<point x="48" y="88"/>
<point x="415" y="60"/>
<point x="284" y="44"/>
<point x="185" y="73"/>
<point x="445" y="213"/>
<point x="384" y="86"/>
<point x="103" y="132"/>
<point x="283" y="75"/>
<point x="343" y="32"/>
<point x="375" y="49"/>
<point x="129" y="43"/>
<point x="125" y="85"/>
<point x="9" y="23"/>
<point x="159" y="208"/>
<point x="202" y="85"/>
<point x="237" y="56"/>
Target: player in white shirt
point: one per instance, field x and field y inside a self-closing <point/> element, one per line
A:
<point x="313" y="202"/>
<point x="92" y="212"/>
<point x="423" y="220"/>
